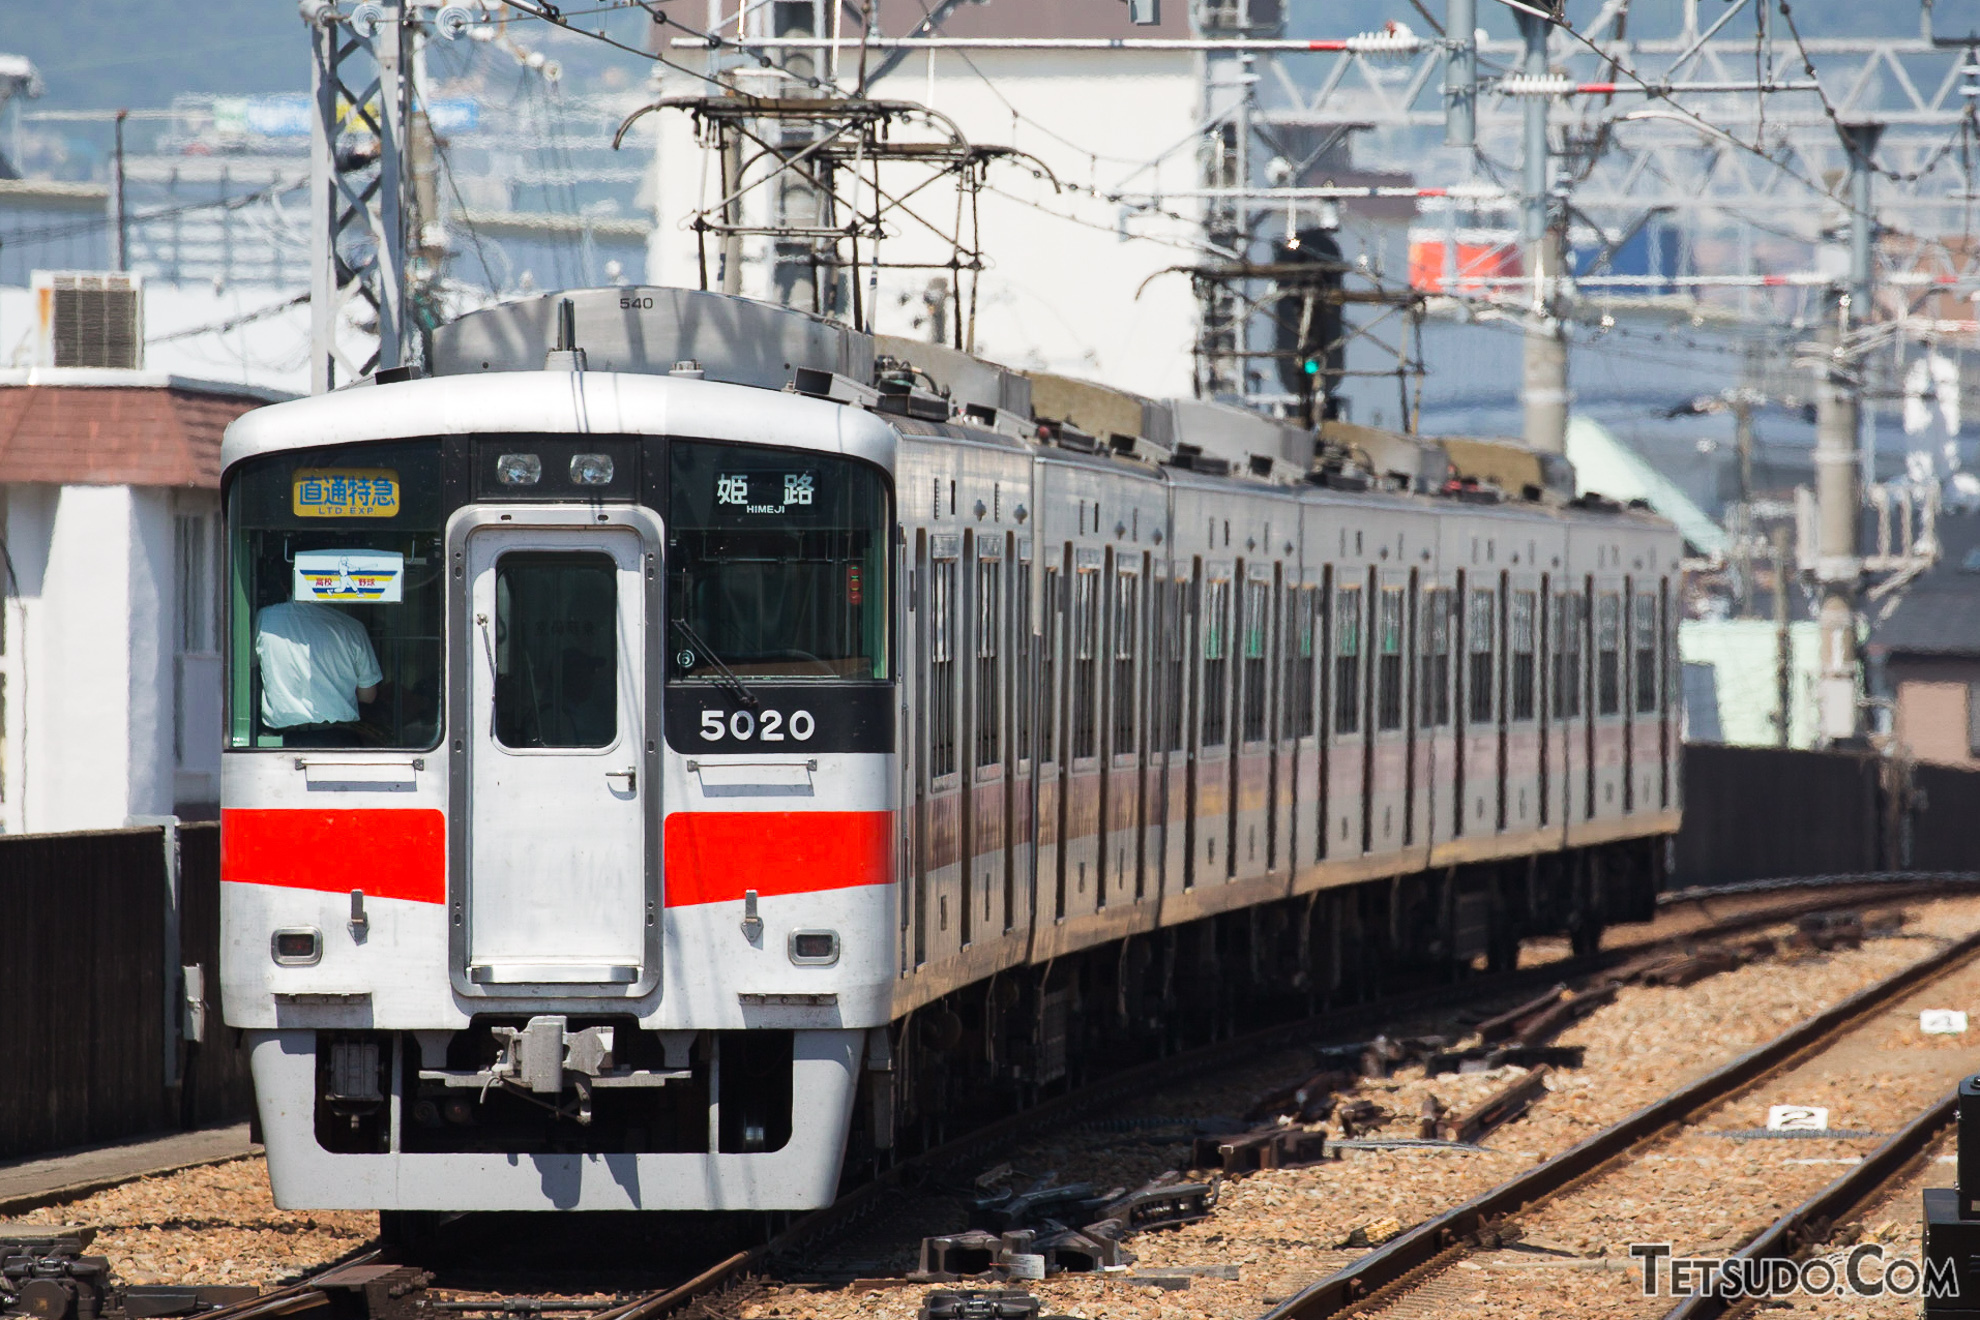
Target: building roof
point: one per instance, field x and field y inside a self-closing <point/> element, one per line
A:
<point x="154" y="431"/>
<point x="1939" y="614"/>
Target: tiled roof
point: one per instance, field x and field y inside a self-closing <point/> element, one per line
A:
<point x="136" y="436"/>
<point x="1939" y="614"/>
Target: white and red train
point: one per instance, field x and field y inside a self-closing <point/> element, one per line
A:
<point x="653" y="776"/>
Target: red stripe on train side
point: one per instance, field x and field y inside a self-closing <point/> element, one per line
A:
<point x="713" y="856"/>
<point x="396" y="853"/>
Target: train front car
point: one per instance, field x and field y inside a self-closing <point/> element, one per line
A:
<point x="559" y="789"/>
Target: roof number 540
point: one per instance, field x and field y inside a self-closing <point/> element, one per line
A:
<point x="770" y="726"/>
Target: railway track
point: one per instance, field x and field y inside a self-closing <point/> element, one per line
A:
<point x="1742" y="909"/>
<point x="1403" y="1276"/>
<point x="367" y="1283"/>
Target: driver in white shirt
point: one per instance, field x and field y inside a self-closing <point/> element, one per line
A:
<point x="317" y="667"/>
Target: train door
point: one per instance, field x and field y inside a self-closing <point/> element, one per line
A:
<point x="1250" y="813"/>
<point x="1482" y="741"/>
<point x="1020" y="809"/>
<point x="1568" y="691"/>
<point x="1175" y="644"/>
<point x="1413" y="767"/>
<point x="1156" y="609"/>
<point x="1049" y="847"/>
<point x="1211" y="772"/>
<point x="987" y="811"/>
<point x="1121" y="761"/>
<point x="942" y="838"/>
<point x="919" y="599"/>
<point x="1388" y="742"/>
<point x="1433" y="640"/>
<point x="1525" y="742"/>
<point x="1543" y="647"/>
<point x="557" y="686"/>
<point x="1297" y="727"/>
<point x="1080" y="841"/>
<point x="1345" y="758"/>
<point x="1632" y="622"/>
<point x="1646" y="752"/>
<point x="1605" y="725"/>
<point x="1667" y="726"/>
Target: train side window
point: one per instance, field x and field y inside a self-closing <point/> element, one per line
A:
<point x="1434" y="637"/>
<point x="1048" y="686"/>
<point x="942" y="668"/>
<point x="1521" y="626"/>
<point x="989" y="690"/>
<point x="1480" y="624"/>
<point x="1257" y="624"/>
<point x="1025" y="701"/>
<point x="1608" y="660"/>
<point x="1127" y="621"/>
<point x="1643" y="623"/>
<point x="1086" y="667"/>
<point x="1297" y="721"/>
<point x="1347" y="660"/>
<point x="1216" y="678"/>
<point x="1389" y="659"/>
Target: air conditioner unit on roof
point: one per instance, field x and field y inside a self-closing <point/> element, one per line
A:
<point x="88" y="319"/>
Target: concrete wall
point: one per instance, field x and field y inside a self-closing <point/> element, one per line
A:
<point x="1934" y="708"/>
<point x="91" y="659"/>
<point x="1741" y="659"/>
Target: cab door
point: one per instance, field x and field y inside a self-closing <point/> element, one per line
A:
<point x="559" y="884"/>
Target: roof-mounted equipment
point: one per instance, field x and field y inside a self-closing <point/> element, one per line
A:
<point x="831" y="385"/>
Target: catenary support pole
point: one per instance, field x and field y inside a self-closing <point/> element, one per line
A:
<point x="1544" y="388"/>
<point x="120" y="225"/>
<point x="1461" y="73"/>
<point x="1838" y="415"/>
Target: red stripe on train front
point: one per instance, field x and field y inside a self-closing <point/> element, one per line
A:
<point x="397" y="853"/>
<point x="713" y="856"/>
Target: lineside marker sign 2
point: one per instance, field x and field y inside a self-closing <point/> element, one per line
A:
<point x="1797" y="1118"/>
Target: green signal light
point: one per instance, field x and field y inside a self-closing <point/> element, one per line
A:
<point x="1310" y="367"/>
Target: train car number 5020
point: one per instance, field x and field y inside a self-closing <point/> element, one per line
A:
<point x="770" y="726"/>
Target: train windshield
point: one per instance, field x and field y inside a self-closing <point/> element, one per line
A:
<point x="776" y="564"/>
<point x="335" y="595"/>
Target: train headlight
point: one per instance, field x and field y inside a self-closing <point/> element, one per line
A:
<point x="591" y="469"/>
<point x="814" y="948"/>
<point x="298" y="946"/>
<point x="518" y="469"/>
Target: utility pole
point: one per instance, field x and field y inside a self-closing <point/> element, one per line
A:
<point x="1838" y="564"/>
<point x="1783" y="648"/>
<point x="120" y="227"/>
<point x="1544" y="389"/>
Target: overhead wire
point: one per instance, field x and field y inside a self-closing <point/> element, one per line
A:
<point x="1958" y="136"/>
<point x="79" y="227"/>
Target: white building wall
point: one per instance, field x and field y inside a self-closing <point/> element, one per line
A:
<point x="151" y="620"/>
<point x="1064" y="268"/>
<point x="88" y="742"/>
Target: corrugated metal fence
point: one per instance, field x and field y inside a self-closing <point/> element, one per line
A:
<point x="1755" y="813"/>
<point x="94" y="1018"/>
